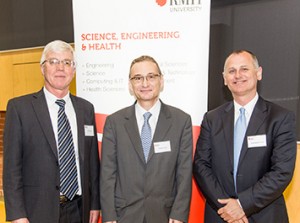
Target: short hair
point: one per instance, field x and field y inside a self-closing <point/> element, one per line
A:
<point x="142" y="59"/>
<point x="255" y="60"/>
<point x="56" y="46"/>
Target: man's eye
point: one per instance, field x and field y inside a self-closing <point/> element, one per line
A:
<point x="53" y="61"/>
<point x="137" y="78"/>
<point x="67" y="62"/>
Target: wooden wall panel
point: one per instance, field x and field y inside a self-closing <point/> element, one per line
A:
<point x="6" y="80"/>
<point x="27" y="78"/>
<point x="20" y="74"/>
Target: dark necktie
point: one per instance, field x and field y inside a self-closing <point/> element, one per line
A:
<point x="239" y="135"/>
<point x="66" y="154"/>
<point x="146" y="135"/>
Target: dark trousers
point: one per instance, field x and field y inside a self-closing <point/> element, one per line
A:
<point x="71" y="211"/>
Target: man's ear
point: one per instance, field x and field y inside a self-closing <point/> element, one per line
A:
<point x="259" y="73"/>
<point x="130" y="88"/>
<point x="162" y="83"/>
<point x="42" y="69"/>
<point x="225" y="83"/>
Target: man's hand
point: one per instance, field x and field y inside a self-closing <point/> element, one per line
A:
<point x="20" y="220"/>
<point x="94" y="216"/>
<point x="174" y="221"/>
<point x="232" y="212"/>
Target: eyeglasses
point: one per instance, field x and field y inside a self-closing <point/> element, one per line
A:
<point x="56" y="62"/>
<point x="138" y="79"/>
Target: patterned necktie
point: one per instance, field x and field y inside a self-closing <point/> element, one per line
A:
<point x="239" y="135"/>
<point x="66" y="154"/>
<point x="146" y="135"/>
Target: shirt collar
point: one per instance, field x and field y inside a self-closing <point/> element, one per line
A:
<point x="51" y="98"/>
<point x="154" y="110"/>
<point x="248" y="107"/>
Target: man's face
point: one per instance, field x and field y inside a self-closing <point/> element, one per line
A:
<point x="145" y="89"/>
<point x="241" y="75"/>
<point x="58" y="71"/>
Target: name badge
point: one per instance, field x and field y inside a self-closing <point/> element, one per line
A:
<point x="257" y="141"/>
<point x="162" y="147"/>
<point x="89" y="130"/>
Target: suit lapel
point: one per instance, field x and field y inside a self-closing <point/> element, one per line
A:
<point x="228" y="126"/>
<point x="133" y="132"/>
<point x="256" y="120"/>
<point x="41" y="110"/>
<point x="163" y="125"/>
<point x="79" y="112"/>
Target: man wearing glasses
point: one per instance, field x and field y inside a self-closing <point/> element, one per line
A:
<point x="51" y="159"/>
<point x="146" y="162"/>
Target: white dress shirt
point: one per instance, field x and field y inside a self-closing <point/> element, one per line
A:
<point x="70" y="112"/>
<point x="248" y="109"/>
<point x="139" y="112"/>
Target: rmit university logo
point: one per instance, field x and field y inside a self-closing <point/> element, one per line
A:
<point x="161" y="2"/>
<point x="181" y="5"/>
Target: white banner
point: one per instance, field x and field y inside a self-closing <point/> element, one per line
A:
<point x="110" y="34"/>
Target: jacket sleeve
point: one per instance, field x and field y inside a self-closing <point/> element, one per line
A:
<point x="181" y="205"/>
<point x="12" y="165"/>
<point x="95" y="169"/>
<point x="108" y="173"/>
<point x="202" y="167"/>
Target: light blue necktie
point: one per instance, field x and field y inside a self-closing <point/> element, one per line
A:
<point x="239" y="135"/>
<point x="146" y="135"/>
<point x="66" y="154"/>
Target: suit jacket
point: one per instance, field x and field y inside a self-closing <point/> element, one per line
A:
<point x="263" y="171"/>
<point x="31" y="169"/>
<point x="132" y="189"/>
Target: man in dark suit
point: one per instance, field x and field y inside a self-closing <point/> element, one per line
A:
<point x="33" y="189"/>
<point x="141" y="183"/>
<point x="245" y="183"/>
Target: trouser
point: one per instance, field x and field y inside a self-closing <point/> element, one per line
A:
<point x="71" y="211"/>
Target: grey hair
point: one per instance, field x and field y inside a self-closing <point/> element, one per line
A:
<point x="56" y="46"/>
<point x="254" y="58"/>
<point x="142" y="59"/>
